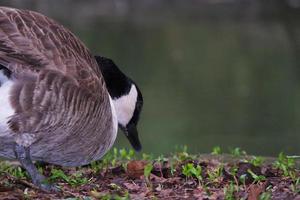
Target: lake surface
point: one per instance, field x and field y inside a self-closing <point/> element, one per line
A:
<point x="222" y="73"/>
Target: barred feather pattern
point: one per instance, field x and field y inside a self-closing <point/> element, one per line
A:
<point x="59" y="94"/>
<point x="31" y="42"/>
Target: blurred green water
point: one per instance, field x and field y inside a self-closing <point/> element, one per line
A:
<point x="225" y="76"/>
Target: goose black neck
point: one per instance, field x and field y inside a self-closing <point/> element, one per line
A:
<point x="117" y="83"/>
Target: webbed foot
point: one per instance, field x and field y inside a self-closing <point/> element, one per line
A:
<point x="23" y="155"/>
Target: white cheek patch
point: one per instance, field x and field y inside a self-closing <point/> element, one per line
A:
<point x="125" y="106"/>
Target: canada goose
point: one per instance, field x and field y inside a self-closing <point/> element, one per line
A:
<point x="57" y="103"/>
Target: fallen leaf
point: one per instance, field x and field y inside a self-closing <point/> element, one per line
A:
<point x="141" y="195"/>
<point x="131" y="186"/>
<point x="135" y="168"/>
<point x="95" y="194"/>
<point x="157" y="178"/>
<point x="198" y="193"/>
<point x="158" y="188"/>
<point x="255" y="191"/>
<point x="167" y="191"/>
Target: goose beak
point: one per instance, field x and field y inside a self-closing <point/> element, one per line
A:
<point x="132" y="135"/>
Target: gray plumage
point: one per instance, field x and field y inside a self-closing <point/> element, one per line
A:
<point x="59" y="95"/>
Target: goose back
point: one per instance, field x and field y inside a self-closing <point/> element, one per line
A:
<point x="32" y="42"/>
<point x="62" y="108"/>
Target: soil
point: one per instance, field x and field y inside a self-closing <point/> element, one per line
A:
<point x="220" y="179"/>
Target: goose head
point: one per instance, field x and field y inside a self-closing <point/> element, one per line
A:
<point x="126" y="97"/>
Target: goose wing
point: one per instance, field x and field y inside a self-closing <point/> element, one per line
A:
<point x="31" y="42"/>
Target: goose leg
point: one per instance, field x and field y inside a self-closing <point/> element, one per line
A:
<point x="23" y="155"/>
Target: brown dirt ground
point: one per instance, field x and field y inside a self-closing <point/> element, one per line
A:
<point x="166" y="181"/>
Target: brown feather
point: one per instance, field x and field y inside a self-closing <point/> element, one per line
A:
<point x="35" y="42"/>
<point x="59" y="94"/>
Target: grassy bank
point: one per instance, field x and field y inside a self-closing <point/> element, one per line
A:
<point x="120" y="175"/>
